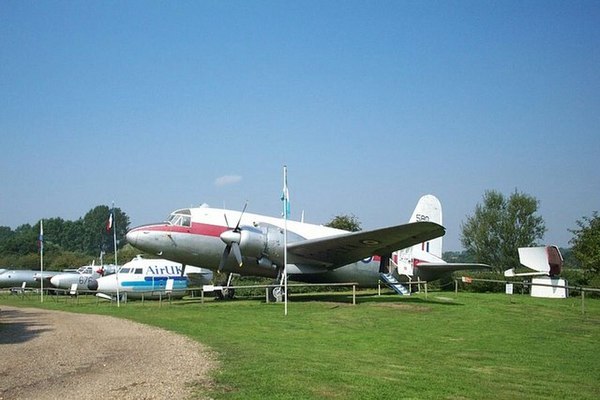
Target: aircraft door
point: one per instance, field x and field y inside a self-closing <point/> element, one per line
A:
<point x="404" y="262"/>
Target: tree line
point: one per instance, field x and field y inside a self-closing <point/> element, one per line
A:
<point x="492" y="234"/>
<point x="67" y="243"/>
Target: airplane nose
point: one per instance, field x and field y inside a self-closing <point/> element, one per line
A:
<point x="132" y="237"/>
<point x="55" y="281"/>
<point x="92" y="284"/>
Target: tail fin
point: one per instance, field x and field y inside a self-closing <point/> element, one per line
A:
<point x="429" y="209"/>
<point x="544" y="259"/>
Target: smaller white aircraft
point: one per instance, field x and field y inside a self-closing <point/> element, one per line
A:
<point x="24" y="278"/>
<point x="545" y="260"/>
<point x="547" y="263"/>
<point x="81" y="276"/>
<point x="150" y="279"/>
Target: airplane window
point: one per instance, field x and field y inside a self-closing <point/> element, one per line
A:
<point x="180" y="220"/>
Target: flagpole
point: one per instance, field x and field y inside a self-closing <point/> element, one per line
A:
<point x="286" y="209"/>
<point x="41" y="260"/>
<point x="114" y="228"/>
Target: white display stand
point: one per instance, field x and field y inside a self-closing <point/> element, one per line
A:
<point x="553" y="287"/>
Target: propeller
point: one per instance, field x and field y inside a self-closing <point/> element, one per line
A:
<point x="232" y="240"/>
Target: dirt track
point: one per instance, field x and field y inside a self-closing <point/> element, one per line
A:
<point x="59" y="355"/>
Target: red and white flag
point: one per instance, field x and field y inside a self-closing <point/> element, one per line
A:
<point x="109" y="224"/>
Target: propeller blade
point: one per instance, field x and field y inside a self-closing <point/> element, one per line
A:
<point x="224" y="257"/>
<point x="237" y="253"/>
<point x="232" y="240"/>
<point x="237" y="227"/>
<point x="226" y="222"/>
<point x="183" y="270"/>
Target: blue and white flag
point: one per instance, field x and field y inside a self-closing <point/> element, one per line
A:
<point x="285" y="197"/>
<point x="41" y="237"/>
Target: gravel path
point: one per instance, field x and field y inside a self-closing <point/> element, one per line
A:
<point x="59" y="355"/>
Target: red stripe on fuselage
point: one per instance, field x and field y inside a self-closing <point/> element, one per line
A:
<point x="195" y="229"/>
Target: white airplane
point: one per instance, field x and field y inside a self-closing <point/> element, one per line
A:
<point x="203" y="236"/>
<point x="150" y="279"/>
<point x="25" y="278"/>
<point x="545" y="260"/>
<point x="81" y="277"/>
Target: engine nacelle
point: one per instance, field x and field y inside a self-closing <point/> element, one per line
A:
<point x="253" y="242"/>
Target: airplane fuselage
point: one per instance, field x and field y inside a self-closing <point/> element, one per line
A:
<point x="197" y="241"/>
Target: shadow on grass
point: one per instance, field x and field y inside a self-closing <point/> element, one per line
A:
<point x="341" y="298"/>
<point x="365" y="298"/>
<point x="19" y="326"/>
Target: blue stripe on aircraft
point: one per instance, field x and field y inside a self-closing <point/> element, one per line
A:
<point x="164" y="278"/>
<point x="148" y="285"/>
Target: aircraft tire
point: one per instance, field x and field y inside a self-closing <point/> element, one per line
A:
<point x="225" y="294"/>
<point x="276" y="293"/>
<point x="229" y="294"/>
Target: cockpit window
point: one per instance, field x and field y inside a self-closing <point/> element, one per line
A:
<point x="173" y="218"/>
<point x="124" y="270"/>
<point x="138" y="271"/>
<point x="178" y="219"/>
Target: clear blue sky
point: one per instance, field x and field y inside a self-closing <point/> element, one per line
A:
<point x="371" y="104"/>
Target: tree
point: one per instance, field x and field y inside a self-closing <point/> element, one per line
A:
<point x="96" y="235"/>
<point x="500" y="226"/>
<point x="586" y="247"/>
<point x="345" y="222"/>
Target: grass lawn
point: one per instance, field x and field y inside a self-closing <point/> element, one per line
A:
<point x="470" y="346"/>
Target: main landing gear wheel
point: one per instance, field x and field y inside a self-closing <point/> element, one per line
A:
<point x="276" y="293"/>
<point x="225" y="293"/>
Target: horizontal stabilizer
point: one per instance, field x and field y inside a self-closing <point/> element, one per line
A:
<point x="433" y="271"/>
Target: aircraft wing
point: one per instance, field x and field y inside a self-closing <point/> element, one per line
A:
<point x="339" y="250"/>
